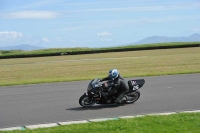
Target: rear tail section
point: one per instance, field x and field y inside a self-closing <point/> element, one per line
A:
<point x="136" y="84"/>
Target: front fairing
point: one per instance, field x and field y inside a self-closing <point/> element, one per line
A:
<point x="93" y="88"/>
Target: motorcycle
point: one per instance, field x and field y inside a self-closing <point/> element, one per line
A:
<point x="95" y="88"/>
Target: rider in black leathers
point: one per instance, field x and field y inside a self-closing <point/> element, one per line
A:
<point x="119" y="86"/>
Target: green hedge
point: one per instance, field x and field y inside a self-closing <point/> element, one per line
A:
<point x="74" y="51"/>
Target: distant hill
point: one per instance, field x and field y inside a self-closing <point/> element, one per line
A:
<point x="21" y="47"/>
<point x="160" y="39"/>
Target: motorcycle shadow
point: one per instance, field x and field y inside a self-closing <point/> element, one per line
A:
<point x="96" y="107"/>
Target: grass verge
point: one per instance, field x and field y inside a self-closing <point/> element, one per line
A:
<point x="175" y="123"/>
<point x="84" y="67"/>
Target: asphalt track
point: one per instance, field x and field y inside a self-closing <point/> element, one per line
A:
<point x="58" y="102"/>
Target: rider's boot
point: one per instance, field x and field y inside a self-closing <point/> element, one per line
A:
<point x="120" y="100"/>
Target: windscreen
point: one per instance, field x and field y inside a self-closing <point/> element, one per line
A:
<point x="95" y="81"/>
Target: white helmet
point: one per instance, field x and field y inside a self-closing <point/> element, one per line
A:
<point x="113" y="74"/>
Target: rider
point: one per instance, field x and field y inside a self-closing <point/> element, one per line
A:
<point x="119" y="88"/>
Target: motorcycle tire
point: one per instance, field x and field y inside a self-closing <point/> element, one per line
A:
<point x="134" y="96"/>
<point x="85" y="101"/>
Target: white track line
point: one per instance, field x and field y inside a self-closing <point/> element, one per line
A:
<point x="72" y="122"/>
<point x="12" y="128"/>
<point x="42" y="126"/>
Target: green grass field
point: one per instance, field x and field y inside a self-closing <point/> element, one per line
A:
<point x="88" y="66"/>
<point x="176" y="123"/>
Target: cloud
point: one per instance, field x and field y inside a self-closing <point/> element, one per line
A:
<point x="105" y="33"/>
<point x="31" y="15"/>
<point x="144" y="8"/>
<point x="98" y="2"/>
<point x="44" y="39"/>
<point x="41" y="3"/>
<point x="106" y="40"/>
<point x="9" y="35"/>
<point x="104" y="24"/>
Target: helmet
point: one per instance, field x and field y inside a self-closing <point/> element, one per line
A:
<point x="113" y="74"/>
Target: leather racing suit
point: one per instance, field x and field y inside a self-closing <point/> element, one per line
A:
<point x="119" y="88"/>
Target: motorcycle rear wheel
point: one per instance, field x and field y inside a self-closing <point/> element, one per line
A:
<point x="85" y="101"/>
<point x="134" y="96"/>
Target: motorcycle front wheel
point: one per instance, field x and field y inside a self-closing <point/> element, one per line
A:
<point x="85" y="101"/>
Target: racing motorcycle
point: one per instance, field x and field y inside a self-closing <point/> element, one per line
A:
<point x="95" y="88"/>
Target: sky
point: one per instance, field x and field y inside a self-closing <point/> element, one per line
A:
<point x="94" y="23"/>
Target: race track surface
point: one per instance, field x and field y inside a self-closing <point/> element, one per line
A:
<point x="58" y="102"/>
